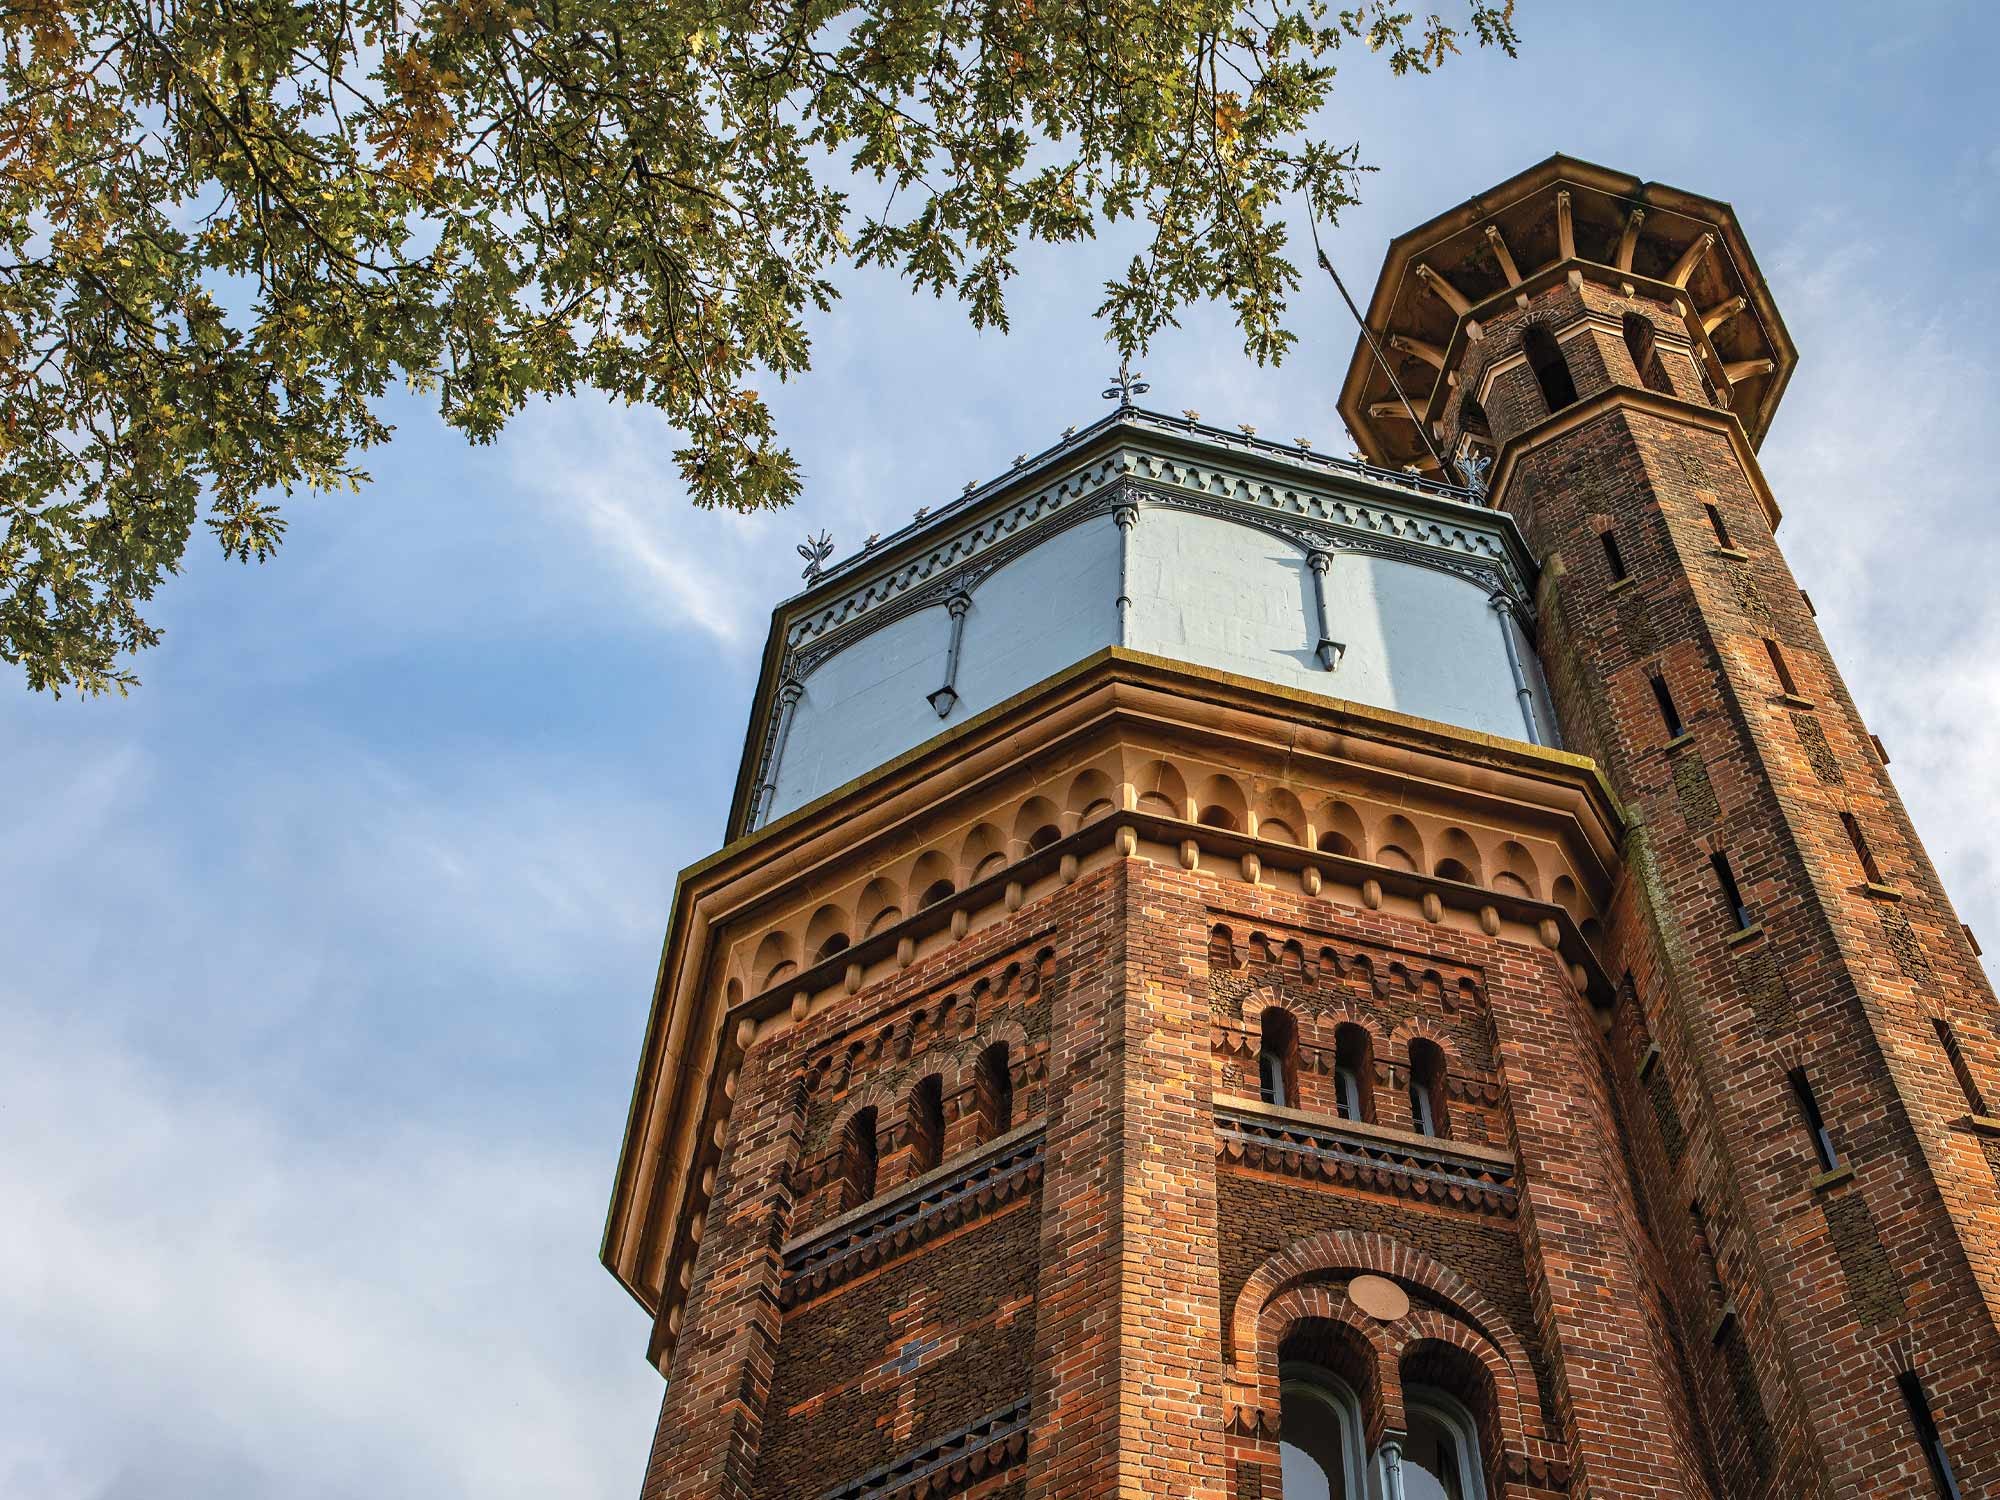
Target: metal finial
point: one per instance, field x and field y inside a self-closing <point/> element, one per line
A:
<point x="816" y="550"/>
<point x="1248" y="429"/>
<point x="1126" y="384"/>
<point x="1191" y="414"/>
<point x="1474" y="462"/>
<point x="921" y="512"/>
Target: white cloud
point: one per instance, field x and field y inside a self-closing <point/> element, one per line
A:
<point x="405" y="1313"/>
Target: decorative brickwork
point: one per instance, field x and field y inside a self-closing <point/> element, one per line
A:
<point x="1018" y="1120"/>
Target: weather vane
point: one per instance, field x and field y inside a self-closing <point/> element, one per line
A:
<point x="816" y="550"/>
<point x="1126" y="384"/>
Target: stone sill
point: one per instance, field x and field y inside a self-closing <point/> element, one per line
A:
<point x="1679" y="741"/>
<point x="888" y="1201"/>
<point x="1743" y="935"/>
<point x="1983" y="1124"/>
<point x="1793" y="700"/>
<point x="1361" y="1129"/>
<point x="1723" y="1322"/>
<point x="1618" y="583"/>
<point x="1736" y="552"/>
<point x="1880" y="892"/>
<point x="1831" y="1178"/>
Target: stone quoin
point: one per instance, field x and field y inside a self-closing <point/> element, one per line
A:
<point x="1240" y="973"/>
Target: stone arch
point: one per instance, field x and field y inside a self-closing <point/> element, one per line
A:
<point x="1223" y="805"/>
<point x="1162" y="790"/>
<point x="983" y="854"/>
<point x="827" y="933"/>
<point x="930" y="881"/>
<point x="877" y="907"/>
<point x="1458" y="858"/>
<point x="1565" y="894"/>
<point x="1338" y="829"/>
<point x="775" y="958"/>
<point x="1091" y="796"/>
<point x="1331" y="1252"/>
<point x="1399" y="845"/>
<point x="1514" y="871"/>
<point x="1281" y="817"/>
<point x="1037" y="825"/>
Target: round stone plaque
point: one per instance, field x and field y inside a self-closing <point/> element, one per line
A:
<point x="1379" y="1297"/>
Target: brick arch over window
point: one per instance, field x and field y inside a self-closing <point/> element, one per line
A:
<point x="1252" y="1336"/>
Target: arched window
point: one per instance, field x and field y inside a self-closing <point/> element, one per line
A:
<point x="1441" y="1455"/>
<point x="835" y="943"/>
<point x="1044" y="836"/>
<point x="1472" y="419"/>
<point x="926" y="1123"/>
<point x="857" y="1159"/>
<point x="1354" y="1071"/>
<point x="993" y="1085"/>
<point x="1321" y="1446"/>
<point x="1545" y="358"/>
<point x="1427" y="1097"/>
<point x="1640" y="344"/>
<point x="1322" y="1443"/>
<point x="1275" y="1054"/>
<point x="936" y="891"/>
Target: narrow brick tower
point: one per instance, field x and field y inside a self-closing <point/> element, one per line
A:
<point x="1187" y="1008"/>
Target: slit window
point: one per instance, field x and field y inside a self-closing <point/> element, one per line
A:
<point x="858" y="1159"/>
<point x="1545" y="358"/>
<point x="926" y="1123"/>
<point x="994" y="1091"/>
<point x="1781" y="669"/>
<point x="1640" y="344"/>
<point x="1669" y="715"/>
<point x="1354" y="1072"/>
<point x="1927" y="1435"/>
<point x="1822" y="1138"/>
<point x="1718" y="526"/>
<point x="1612" y="555"/>
<point x="1869" y="868"/>
<point x="1427" y="1089"/>
<point x="1961" y="1069"/>
<point x="1279" y="1033"/>
<point x="1732" y="895"/>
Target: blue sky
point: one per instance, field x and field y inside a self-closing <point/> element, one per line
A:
<point x="328" y="951"/>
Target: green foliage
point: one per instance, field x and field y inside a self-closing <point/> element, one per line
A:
<point x="231" y="224"/>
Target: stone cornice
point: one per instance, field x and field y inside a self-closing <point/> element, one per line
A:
<point x="695" y="1034"/>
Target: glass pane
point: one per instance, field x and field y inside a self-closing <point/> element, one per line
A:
<point x="1313" y="1451"/>
<point x="1304" y="1478"/>
<point x="1430" y="1461"/>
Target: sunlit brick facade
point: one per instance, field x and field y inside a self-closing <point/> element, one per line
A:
<point x="1309" y="1031"/>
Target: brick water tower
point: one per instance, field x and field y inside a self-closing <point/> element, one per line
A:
<point x="1236" y="973"/>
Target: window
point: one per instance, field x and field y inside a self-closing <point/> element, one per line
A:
<point x="1612" y="555"/>
<point x="926" y="1121"/>
<point x="1781" y="669"/>
<point x="1968" y="1085"/>
<point x="1640" y="344"/>
<point x="1870" y="870"/>
<point x="836" y="943"/>
<point x="936" y="891"/>
<point x="1545" y="358"/>
<point x="1441" y="1456"/>
<point x="1280" y="1034"/>
<point x="1044" y="836"/>
<point x="1927" y="1435"/>
<point x="1321" y="1447"/>
<point x="1822" y="1139"/>
<point x="1322" y="1444"/>
<point x="1715" y="524"/>
<point x="857" y="1159"/>
<point x="1427" y="1095"/>
<point x="1725" y="878"/>
<point x="1669" y="715"/>
<point x="993" y="1086"/>
<point x="1354" y="1072"/>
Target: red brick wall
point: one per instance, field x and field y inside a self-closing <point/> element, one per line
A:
<point x="1836" y="1285"/>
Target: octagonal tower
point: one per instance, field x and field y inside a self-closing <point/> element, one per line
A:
<point x="1804" y="1034"/>
<point x="1184" y="1007"/>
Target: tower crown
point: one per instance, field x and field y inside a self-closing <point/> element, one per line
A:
<point x="1562" y="220"/>
<point x="1162" y="536"/>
